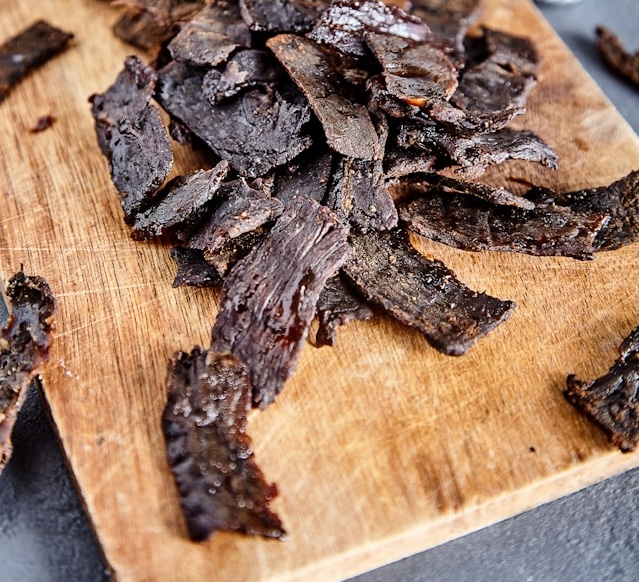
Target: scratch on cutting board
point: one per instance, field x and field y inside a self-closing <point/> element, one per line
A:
<point x="114" y="289"/>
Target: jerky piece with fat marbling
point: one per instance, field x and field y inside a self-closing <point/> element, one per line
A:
<point x="612" y="401"/>
<point x="24" y="347"/>
<point x="255" y="132"/>
<point x="346" y="123"/>
<point x="211" y="35"/>
<point x="182" y="203"/>
<point x="269" y="298"/>
<point x="344" y="25"/>
<point x="617" y="57"/>
<point x="193" y="269"/>
<point x="338" y="304"/>
<point x="421" y="293"/>
<point x="28" y="50"/>
<point x="132" y="136"/>
<point x="204" y="423"/>
<point x="296" y="16"/>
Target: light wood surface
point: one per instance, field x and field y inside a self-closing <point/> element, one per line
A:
<point x="381" y="447"/>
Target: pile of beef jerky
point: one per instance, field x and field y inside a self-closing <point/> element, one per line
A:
<point x="318" y="113"/>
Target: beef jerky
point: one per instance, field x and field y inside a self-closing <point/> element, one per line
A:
<point x="132" y="136"/>
<point x="254" y="132"/>
<point x="619" y="200"/>
<point x="347" y="124"/>
<point x="296" y="16"/>
<point x="338" y="304"/>
<point x="344" y="24"/>
<point x="181" y="204"/>
<point x="467" y="223"/>
<point x="401" y="163"/>
<point x="384" y="100"/>
<point x="307" y="176"/>
<point x="614" y="54"/>
<point x="421" y="293"/>
<point x="211" y="35"/>
<point x="24" y="347"/>
<point x="269" y="298"/>
<point x="245" y="69"/>
<point x="27" y="51"/>
<point x="204" y="424"/>
<point x="612" y="401"/>
<point x="193" y="269"/>
<point x="44" y="122"/>
<point x="243" y="211"/>
<point x="417" y="73"/>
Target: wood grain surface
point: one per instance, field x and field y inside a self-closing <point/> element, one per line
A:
<point x="381" y="447"/>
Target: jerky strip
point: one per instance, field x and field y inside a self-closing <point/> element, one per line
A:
<point x="615" y="55"/>
<point x="254" y="132"/>
<point x="307" y="176"/>
<point x="193" y="269"/>
<point x="269" y="298"/>
<point x="274" y="16"/>
<point x="204" y="424"/>
<point x="347" y="124"/>
<point x="421" y="293"/>
<point x="612" y="401"/>
<point x="24" y="347"/>
<point x="132" y="136"/>
<point x="28" y="50"/>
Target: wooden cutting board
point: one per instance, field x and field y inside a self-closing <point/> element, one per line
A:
<point x="381" y="447"/>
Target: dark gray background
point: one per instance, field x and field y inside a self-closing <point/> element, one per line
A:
<point x="589" y="536"/>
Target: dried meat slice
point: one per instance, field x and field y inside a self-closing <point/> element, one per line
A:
<point x="210" y="37"/>
<point x="24" y="347"/>
<point x="181" y="205"/>
<point x="254" y="132"/>
<point x="615" y="55"/>
<point x="28" y="50"/>
<point x="421" y="293"/>
<point x="193" y="269"/>
<point x="269" y="298"/>
<point x="307" y="176"/>
<point x="344" y="24"/>
<point x="275" y="16"/>
<point x="132" y="136"/>
<point x="221" y="486"/>
<point x="612" y="401"/>
<point x="347" y="124"/>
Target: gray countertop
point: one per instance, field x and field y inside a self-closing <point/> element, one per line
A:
<point x="590" y="535"/>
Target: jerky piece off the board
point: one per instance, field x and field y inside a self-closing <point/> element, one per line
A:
<point x="255" y="132"/>
<point x="28" y="50"/>
<point x="612" y="401"/>
<point x="615" y="55"/>
<point x="296" y="16"/>
<point x="468" y="223"/>
<point x="269" y="298"/>
<point x="211" y="35"/>
<point x="421" y="293"/>
<point x="132" y="136"/>
<point x="24" y="347"/>
<point x="344" y="25"/>
<point x="182" y="204"/>
<point x="338" y="304"/>
<point x="193" y="269"/>
<point x="347" y="124"/>
<point x="204" y="423"/>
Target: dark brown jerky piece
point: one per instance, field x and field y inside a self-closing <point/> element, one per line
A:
<point x="616" y="56"/>
<point x="24" y="347"/>
<point x="248" y="68"/>
<point x="132" y="136"/>
<point x="383" y="100"/>
<point x="211" y="35"/>
<point x="296" y="16"/>
<point x="619" y="200"/>
<point x="193" y="269"/>
<point x="401" y="163"/>
<point x="204" y="424"/>
<point x="28" y="50"/>
<point x="254" y="132"/>
<point x="269" y="298"/>
<point x="471" y="224"/>
<point x="347" y="124"/>
<point x="182" y="203"/>
<point x="307" y="176"/>
<point x="44" y="122"/>
<point x="612" y="401"/>
<point x="245" y="210"/>
<point x="338" y="304"/>
<point x="417" y="73"/>
<point x="344" y="24"/>
<point x="421" y="293"/>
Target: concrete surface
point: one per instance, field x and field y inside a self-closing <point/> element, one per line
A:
<point x="592" y="535"/>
